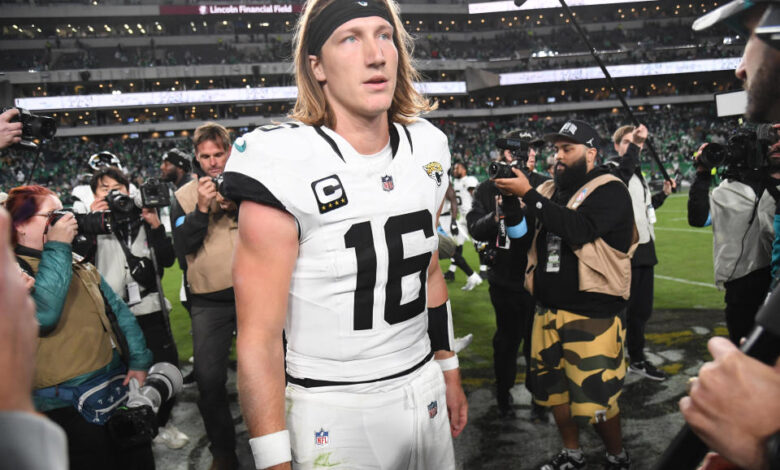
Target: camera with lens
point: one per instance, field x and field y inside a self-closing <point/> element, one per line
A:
<point x="34" y="127"/>
<point x="154" y="194"/>
<point x="746" y="149"/>
<point x="217" y="180"/>
<point x="135" y="422"/>
<point x="504" y="169"/>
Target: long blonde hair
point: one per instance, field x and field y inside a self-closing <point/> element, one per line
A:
<point x="312" y="108"/>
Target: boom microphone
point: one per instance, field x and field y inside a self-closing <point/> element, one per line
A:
<point x="519" y="3"/>
<point x="686" y="450"/>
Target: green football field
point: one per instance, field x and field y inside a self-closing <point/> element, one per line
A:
<point x="684" y="280"/>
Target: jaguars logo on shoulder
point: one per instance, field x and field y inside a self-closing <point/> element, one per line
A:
<point x="240" y="144"/>
<point x="435" y="172"/>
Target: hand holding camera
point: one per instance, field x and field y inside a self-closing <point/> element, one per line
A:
<point x="151" y="217"/>
<point x="519" y="185"/>
<point x="63" y="229"/>
<point x="207" y="192"/>
<point x="98" y="205"/>
<point x="639" y="136"/>
<point x="10" y="132"/>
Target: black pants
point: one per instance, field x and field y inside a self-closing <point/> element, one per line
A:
<point x="460" y="261"/>
<point x="212" y="338"/>
<point x="744" y="296"/>
<point x="90" y="446"/>
<point x="514" y="319"/>
<point x="640" y="307"/>
<point x="159" y="340"/>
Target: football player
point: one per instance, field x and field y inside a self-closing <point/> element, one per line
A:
<point x="337" y="247"/>
<point x="463" y="187"/>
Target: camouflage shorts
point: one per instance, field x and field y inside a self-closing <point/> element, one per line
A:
<point x="578" y="360"/>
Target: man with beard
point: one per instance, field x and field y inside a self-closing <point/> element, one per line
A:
<point x="579" y="270"/>
<point x="175" y="168"/>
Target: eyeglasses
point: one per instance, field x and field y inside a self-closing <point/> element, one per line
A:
<point x="45" y="214"/>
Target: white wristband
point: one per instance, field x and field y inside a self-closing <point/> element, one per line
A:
<point x="271" y="449"/>
<point x="449" y="363"/>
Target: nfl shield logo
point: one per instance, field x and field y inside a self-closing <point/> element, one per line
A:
<point x="387" y="183"/>
<point x="321" y="438"/>
<point x="433" y="409"/>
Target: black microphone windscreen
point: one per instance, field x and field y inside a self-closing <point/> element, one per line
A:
<point x="519" y="3"/>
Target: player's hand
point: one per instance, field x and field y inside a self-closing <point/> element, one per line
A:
<point x="457" y="406"/>
<point x="639" y="136"/>
<point x="733" y="404"/>
<point x="64" y="230"/>
<point x="98" y="205"/>
<point x="207" y="192"/>
<point x="18" y="329"/>
<point x="454" y="230"/>
<point x="517" y="186"/>
<point x="10" y="132"/>
<point x="151" y="217"/>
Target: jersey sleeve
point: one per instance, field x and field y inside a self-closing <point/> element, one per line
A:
<point x="248" y="172"/>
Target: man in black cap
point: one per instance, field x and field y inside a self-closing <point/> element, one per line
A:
<point x="579" y="270"/>
<point x="175" y="168"/>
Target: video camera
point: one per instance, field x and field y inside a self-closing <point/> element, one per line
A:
<point x="135" y="422"/>
<point x="518" y="145"/>
<point x="746" y="149"/>
<point x="34" y="127"/>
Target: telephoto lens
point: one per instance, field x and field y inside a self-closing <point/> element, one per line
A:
<point x="163" y="382"/>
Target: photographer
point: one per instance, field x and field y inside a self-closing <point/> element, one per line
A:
<point x="579" y="270"/>
<point x="123" y="258"/>
<point x="499" y="221"/>
<point x="628" y="142"/>
<point x="204" y="233"/>
<point x="87" y="335"/>
<point x="82" y="194"/>
<point x="741" y="211"/>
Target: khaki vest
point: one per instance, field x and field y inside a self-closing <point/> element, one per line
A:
<point x="83" y="340"/>
<point x="602" y="269"/>
<point x="209" y="268"/>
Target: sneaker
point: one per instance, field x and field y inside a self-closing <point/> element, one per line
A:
<point x="462" y="343"/>
<point x="564" y="461"/>
<point x="473" y="281"/>
<point x="449" y="276"/>
<point x="614" y="462"/>
<point x="648" y="370"/>
<point x="170" y="436"/>
<point x="539" y="414"/>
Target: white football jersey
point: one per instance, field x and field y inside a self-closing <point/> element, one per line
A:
<point x="357" y="307"/>
<point x="462" y="193"/>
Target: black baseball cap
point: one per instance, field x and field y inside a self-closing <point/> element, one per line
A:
<point x="578" y="132"/>
<point x="178" y="158"/>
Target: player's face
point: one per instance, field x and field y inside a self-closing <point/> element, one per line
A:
<point x="212" y="157"/>
<point x="459" y="171"/>
<point x="759" y="72"/>
<point x="358" y="67"/>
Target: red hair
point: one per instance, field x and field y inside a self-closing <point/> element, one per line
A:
<point x="23" y="203"/>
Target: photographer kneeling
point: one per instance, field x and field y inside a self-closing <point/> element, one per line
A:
<point x="123" y="258"/>
<point x="741" y="210"/>
<point x="87" y="335"/>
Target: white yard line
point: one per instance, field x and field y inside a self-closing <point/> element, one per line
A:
<point x="685" y="281"/>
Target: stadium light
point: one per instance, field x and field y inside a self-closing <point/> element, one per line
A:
<point x="496" y="7"/>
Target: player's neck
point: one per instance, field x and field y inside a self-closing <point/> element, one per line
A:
<point x="366" y="136"/>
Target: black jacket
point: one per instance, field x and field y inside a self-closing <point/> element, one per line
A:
<point x="606" y="213"/>
<point x="508" y="268"/>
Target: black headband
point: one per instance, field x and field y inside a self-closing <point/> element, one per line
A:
<point x="338" y="13"/>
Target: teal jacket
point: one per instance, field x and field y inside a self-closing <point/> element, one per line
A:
<point x="51" y="286"/>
